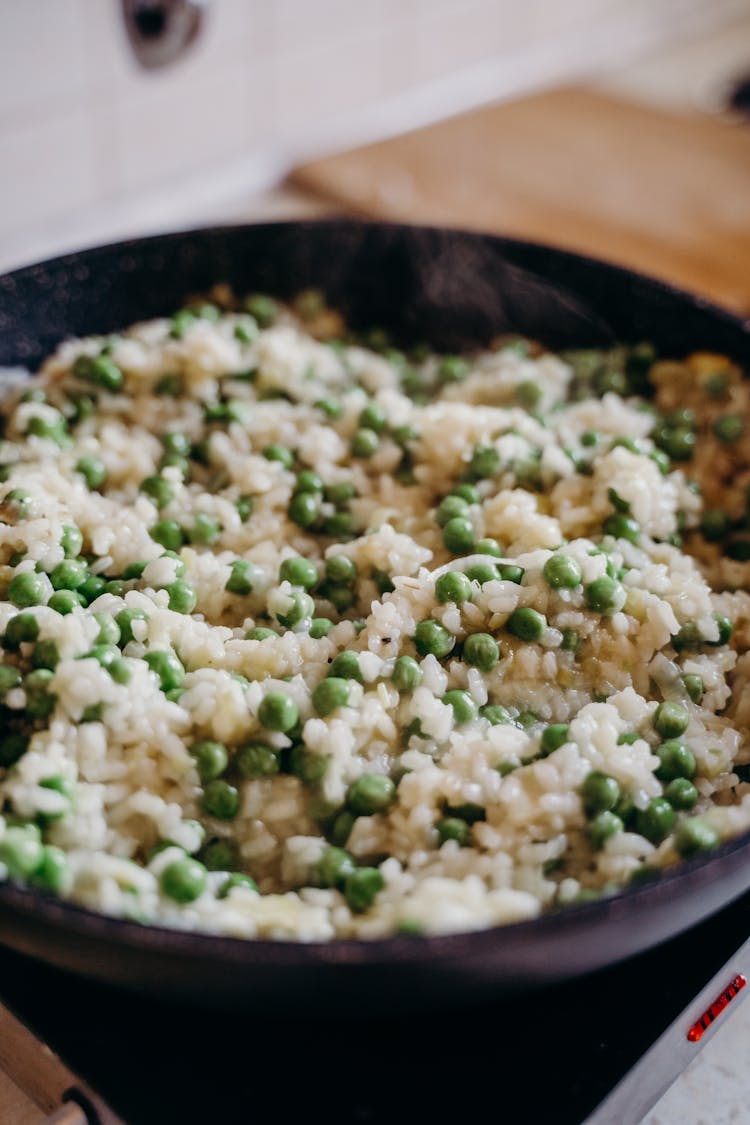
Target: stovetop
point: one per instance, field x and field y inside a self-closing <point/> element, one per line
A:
<point x="551" y="1057"/>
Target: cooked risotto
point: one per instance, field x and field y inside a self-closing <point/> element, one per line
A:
<point x="306" y="637"/>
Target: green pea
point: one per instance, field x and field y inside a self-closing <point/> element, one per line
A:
<point x="205" y="529"/>
<point x="27" y="589"/>
<point x="729" y="428"/>
<point x="299" y="572"/>
<point x="333" y="868"/>
<point x="362" y="887"/>
<point x="511" y="573"/>
<point x="158" y="490"/>
<point x="304" y="509"/>
<point x="670" y="720"/>
<point x="260" y="634"/>
<point x="341" y="829"/>
<point x="482" y="651"/>
<point x="10" y="677"/>
<point x="301" y="606"/>
<point x="370" y="794"/>
<point x="238" y="879"/>
<point x="485" y="461"/>
<point x="70" y="574"/>
<point x="167" y="667"/>
<point x="621" y="526"/>
<point x="527" y="624"/>
<point x="93" y="471"/>
<point x="21" y="852"/>
<point x="365" y="443"/>
<point x="453" y="828"/>
<point x="103" y="654"/>
<point x="263" y="309"/>
<point x="694" y="836"/>
<point x="45" y="655"/>
<point x="184" y="880"/>
<point x="605" y="595"/>
<point x="71" y="541"/>
<point x="450" y="508"/>
<point x="100" y="370"/>
<point x="40" y="702"/>
<point x="168" y="533"/>
<point x="482" y="573"/>
<point x="453" y="586"/>
<point x="675" y="760"/>
<point x="120" y="671"/>
<point x="18" y="502"/>
<point x="678" y="442"/>
<point x="694" y="686"/>
<point x="256" y="759"/>
<point x="279" y="453"/>
<point x="553" y="737"/>
<point x="309" y="481"/>
<point x="330" y="694"/>
<point x="655" y="821"/>
<point x="432" y="638"/>
<point x="452" y="369"/>
<point x="341" y="526"/>
<point x="306" y="765"/>
<point x="211" y="759"/>
<point x="182" y="596"/>
<point x="571" y="640"/>
<point x="466" y="492"/>
<point x="681" y="793"/>
<point x="220" y="855"/>
<point x="329" y="407"/>
<point x="599" y="792"/>
<point x="53" y="872"/>
<point x="373" y="417"/>
<point x="320" y="627"/>
<point x="244" y="506"/>
<point x="340" y="597"/>
<point x="407" y="675"/>
<point x="124" y="621"/>
<point x="604" y="825"/>
<point x="725" y="630"/>
<point x="458" y="535"/>
<point x="278" y="712"/>
<point x="488" y="547"/>
<point x="661" y="460"/>
<point x="495" y="714"/>
<point x="341" y="569"/>
<point x="346" y="666"/>
<point x="463" y="706"/>
<point x="220" y="800"/>
<point x="65" y="601"/>
<point x="13" y="746"/>
<point x="242" y="578"/>
<point x="562" y="572"/>
<point x="21" y="629"/>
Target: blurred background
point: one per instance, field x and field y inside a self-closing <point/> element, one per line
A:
<point x="597" y="124"/>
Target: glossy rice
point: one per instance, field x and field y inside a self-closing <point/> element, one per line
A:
<point x="486" y="818"/>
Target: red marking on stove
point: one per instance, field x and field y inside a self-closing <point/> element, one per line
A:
<point x="718" y="1006"/>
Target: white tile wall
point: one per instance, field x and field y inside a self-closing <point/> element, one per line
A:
<point x="88" y="141"/>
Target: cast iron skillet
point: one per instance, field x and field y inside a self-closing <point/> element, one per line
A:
<point x="453" y="289"/>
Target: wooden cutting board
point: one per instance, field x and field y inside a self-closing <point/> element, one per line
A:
<point x="662" y="192"/>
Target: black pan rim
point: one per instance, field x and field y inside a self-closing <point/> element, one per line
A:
<point x="113" y="930"/>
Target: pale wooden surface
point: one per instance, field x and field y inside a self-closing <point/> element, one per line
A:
<point x="666" y="193"/>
